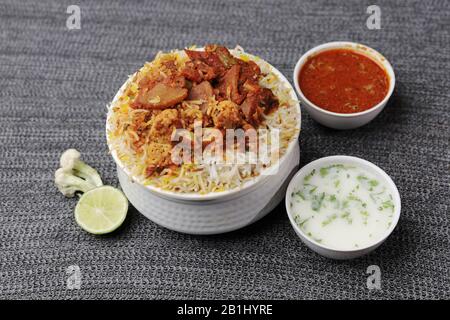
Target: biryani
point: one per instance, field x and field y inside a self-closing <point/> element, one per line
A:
<point x="211" y="89"/>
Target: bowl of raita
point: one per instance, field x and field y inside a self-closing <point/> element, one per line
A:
<point x="342" y="207"/>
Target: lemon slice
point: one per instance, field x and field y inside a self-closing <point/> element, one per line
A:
<point x="101" y="210"/>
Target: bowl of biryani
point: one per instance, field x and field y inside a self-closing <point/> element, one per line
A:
<point x="203" y="126"/>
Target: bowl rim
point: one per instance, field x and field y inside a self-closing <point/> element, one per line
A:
<point x="248" y="185"/>
<point x="362" y="162"/>
<point x="360" y="48"/>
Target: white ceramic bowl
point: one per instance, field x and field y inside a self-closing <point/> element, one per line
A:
<point x="326" y="250"/>
<point x="344" y="120"/>
<point x="201" y="214"/>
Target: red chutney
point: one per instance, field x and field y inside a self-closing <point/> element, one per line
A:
<point x="343" y="81"/>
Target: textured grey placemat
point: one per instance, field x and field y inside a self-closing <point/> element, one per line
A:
<point x="55" y="84"/>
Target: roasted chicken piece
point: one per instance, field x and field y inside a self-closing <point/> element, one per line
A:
<point x="222" y="53"/>
<point x="258" y="101"/>
<point x="227" y="89"/>
<point x="209" y="57"/>
<point x="208" y="64"/>
<point x="196" y="55"/>
<point x="226" y="115"/>
<point x="251" y="110"/>
<point x="198" y="71"/>
<point x="202" y="91"/>
<point x="249" y="71"/>
<point x="250" y="87"/>
<point x="160" y="96"/>
<point x="267" y="100"/>
<point x="203" y="66"/>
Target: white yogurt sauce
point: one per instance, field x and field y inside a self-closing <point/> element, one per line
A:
<point x="343" y="206"/>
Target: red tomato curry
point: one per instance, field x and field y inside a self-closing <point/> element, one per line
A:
<point x="343" y="81"/>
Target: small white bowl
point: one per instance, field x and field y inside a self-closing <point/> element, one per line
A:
<point x="344" y="120"/>
<point x="320" y="248"/>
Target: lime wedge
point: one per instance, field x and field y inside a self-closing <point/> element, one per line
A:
<point x="101" y="210"/>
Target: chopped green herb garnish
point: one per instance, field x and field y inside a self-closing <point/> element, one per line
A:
<point x="365" y="215"/>
<point x="346" y="216"/>
<point x="376" y="196"/>
<point x="323" y="172"/>
<point x="332" y="198"/>
<point x="373" y="183"/>
<point x="300" y="194"/>
<point x="302" y="223"/>
<point x="308" y="177"/>
<point x="388" y="204"/>
<point x="299" y="222"/>
<point x="352" y="197"/>
<point x="329" y="220"/>
<point x="345" y="204"/>
<point x="317" y="201"/>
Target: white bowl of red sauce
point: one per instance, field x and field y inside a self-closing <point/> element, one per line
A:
<point x="343" y="85"/>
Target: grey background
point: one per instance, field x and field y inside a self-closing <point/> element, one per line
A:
<point x="55" y="84"/>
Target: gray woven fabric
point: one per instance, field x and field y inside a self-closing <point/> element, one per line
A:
<point x="55" y="84"/>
